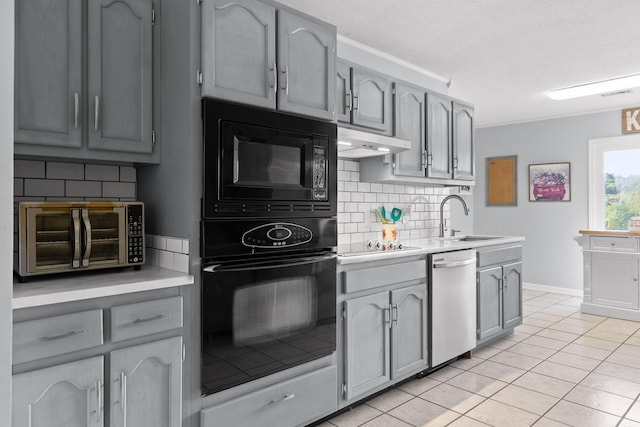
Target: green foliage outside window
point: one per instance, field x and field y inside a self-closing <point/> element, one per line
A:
<point x="622" y="200"/>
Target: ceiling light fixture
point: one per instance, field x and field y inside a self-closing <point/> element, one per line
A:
<point x="596" y="88"/>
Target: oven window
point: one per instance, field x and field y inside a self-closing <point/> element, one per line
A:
<point x="260" y="163"/>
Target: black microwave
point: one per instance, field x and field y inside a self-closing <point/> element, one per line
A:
<point x="263" y="163"/>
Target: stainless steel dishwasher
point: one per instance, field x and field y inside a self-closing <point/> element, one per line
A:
<point x="453" y="304"/>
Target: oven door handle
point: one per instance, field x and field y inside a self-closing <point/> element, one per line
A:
<point x="252" y="265"/>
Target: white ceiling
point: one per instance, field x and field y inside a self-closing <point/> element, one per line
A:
<point x="502" y="55"/>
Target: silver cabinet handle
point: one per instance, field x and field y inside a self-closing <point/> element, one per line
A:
<point x="96" y="100"/>
<point x="504" y="282"/>
<point x="387" y="316"/>
<point x="348" y="101"/>
<point x="123" y="397"/>
<point x="75" y="216"/>
<point x="87" y="237"/>
<point x="396" y="314"/>
<point x="274" y="85"/>
<point x="152" y="318"/>
<point x="429" y="159"/>
<point x="455" y="163"/>
<point x="284" y="398"/>
<point x="61" y="336"/>
<point x="356" y="101"/>
<point x="286" y="80"/>
<point x="76" y="109"/>
<point x="99" y="399"/>
<point x="454" y="263"/>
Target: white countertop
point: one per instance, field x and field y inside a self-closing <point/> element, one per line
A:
<point x="423" y="247"/>
<point x="68" y="287"/>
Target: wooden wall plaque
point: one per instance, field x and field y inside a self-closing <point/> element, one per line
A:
<point x="501" y="181"/>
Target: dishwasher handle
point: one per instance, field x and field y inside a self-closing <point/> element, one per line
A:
<point x="452" y="264"/>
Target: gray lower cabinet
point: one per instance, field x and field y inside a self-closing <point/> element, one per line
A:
<point x="499" y="290"/>
<point x="68" y="395"/>
<point x="61" y="379"/>
<point x="364" y="98"/>
<point x="247" y="58"/>
<point x="54" y="116"/>
<point x="384" y="324"/>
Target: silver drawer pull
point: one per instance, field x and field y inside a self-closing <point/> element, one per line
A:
<point x="152" y="318"/>
<point x="65" y="335"/>
<point x="282" y="399"/>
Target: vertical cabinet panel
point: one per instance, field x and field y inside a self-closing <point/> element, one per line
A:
<point x="409" y="124"/>
<point x="439" y="139"/>
<point x="146" y="385"/>
<point x="489" y="302"/>
<point x="371" y="100"/>
<point x="463" y="156"/>
<point x="69" y="395"/>
<point x="614" y="279"/>
<point x="239" y="51"/>
<point x="48" y="70"/>
<point x="367" y="344"/>
<point x="120" y="75"/>
<point x="307" y="66"/>
<point x="512" y="294"/>
<point x="343" y="92"/>
<point x="409" y="331"/>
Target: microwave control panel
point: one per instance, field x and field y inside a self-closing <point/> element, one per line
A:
<point x="277" y="235"/>
<point x="135" y="231"/>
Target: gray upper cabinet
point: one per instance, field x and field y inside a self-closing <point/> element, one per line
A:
<point x="409" y="124"/>
<point x="56" y="113"/>
<point x="239" y="46"/>
<point x="439" y="139"/>
<point x="372" y="104"/>
<point x="120" y="75"/>
<point x="463" y="155"/>
<point x="307" y="66"/>
<point x="239" y="51"/>
<point x="69" y="395"/>
<point x="343" y="92"/>
<point x="48" y="73"/>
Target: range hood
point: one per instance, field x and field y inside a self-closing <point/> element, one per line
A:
<point x="355" y="144"/>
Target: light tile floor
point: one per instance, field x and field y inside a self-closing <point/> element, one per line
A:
<point x="560" y="367"/>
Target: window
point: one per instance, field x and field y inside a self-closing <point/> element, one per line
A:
<point x="614" y="182"/>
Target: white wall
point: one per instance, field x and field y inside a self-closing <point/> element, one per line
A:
<point x="551" y="257"/>
<point x="6" y="201"/>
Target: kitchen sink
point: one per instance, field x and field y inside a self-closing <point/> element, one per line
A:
<point x="474" y="238"/>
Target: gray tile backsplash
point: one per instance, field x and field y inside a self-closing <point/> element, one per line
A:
<point x="357" y="202"/>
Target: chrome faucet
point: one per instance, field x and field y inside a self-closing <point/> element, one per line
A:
<point x="452" y="196"/>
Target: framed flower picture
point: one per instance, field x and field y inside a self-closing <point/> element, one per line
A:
<point x="550" y="182"/>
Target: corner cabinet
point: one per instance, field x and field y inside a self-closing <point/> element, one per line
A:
<point x="54" y="117"/>
<point x="499" y="290"/>
<point x="255" y="54"/>
<point x="60" y="372"/>
<point x="364" y="98"/>
<point x="384" y="325"/>
<point x="611" y="275"/>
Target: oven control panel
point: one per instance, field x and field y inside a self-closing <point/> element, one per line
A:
<point x="276" y="235"/>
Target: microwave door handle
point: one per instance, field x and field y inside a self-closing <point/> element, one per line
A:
<point x="252" y="265"/>
<point x="87" y="237"/>
<point x="75" y="217"/>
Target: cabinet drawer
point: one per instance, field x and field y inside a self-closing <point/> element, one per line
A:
<point x="374" y="277"/>
<point x="144" y="318"/>
<point x="289" y="403"/>
<point x="499" y="255"/>
<point x="37" y="339"/>
<point x="615" y="244"/>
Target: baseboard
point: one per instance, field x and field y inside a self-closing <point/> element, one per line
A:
<point x="554" y="289"/>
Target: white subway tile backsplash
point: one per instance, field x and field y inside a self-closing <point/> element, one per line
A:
<point x="44" y="187"/>
<point x="181" y="262"/>
<point x="63" y="170"/>
<point x="128" y="174"/>
<point x="165" y="259"/>
<point x="119" y="189"/>
<point x="160" y="242"/>
<point x="174" y="245"/>
<point x="18" y="187"/>
<point x="185" y="246"/>
<point x="83" y="189"/>
<point x="102" y="173"/>
<point x="350" y="186"/>
<point x="29" y="169"/>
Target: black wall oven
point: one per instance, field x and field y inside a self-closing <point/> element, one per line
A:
<point x="269" y="234"/>
<point x="264" y="163"/>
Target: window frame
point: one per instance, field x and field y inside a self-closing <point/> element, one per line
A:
<point x="597" y="148"/>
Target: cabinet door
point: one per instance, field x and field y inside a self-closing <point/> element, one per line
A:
<point x="343" y="92"/>
<point x="409" y="124"/>
<point x="439" y="140"/>
<point x="463" y="158"/>
<point x="306" y="66"/>
<point x="409" y="331"/>
<point x="119" y="75"/>
<point x="69" y="395"/>
<point x="512" y="295"/>
<point x="489" y="302"/>
<point x="146" y="385"/>
<point x="48" y="67"/>
<point x="371" y="99"/>
<point x="239" y="51"/>
<point x="367" y="324"/>
<point x="614" y="279"/>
